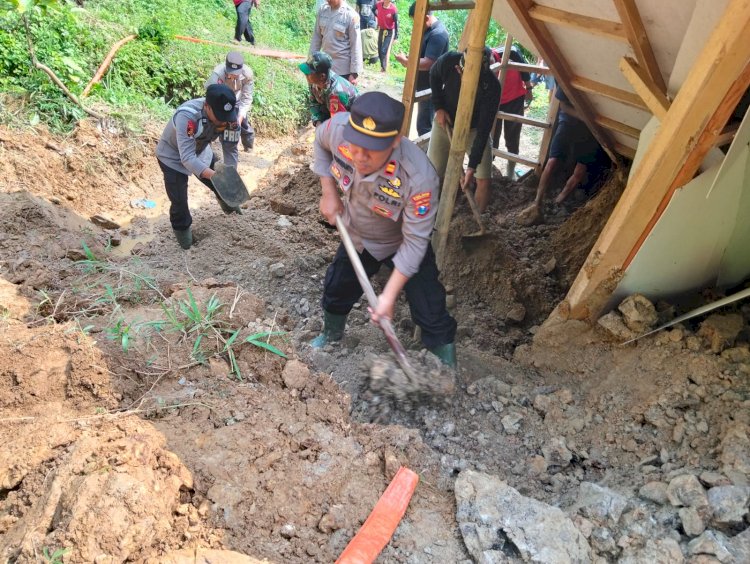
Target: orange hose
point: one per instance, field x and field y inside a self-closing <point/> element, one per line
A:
<point x="258" y="51"/>
<point x="105" y="64"/>
<point x="382" y="521"/>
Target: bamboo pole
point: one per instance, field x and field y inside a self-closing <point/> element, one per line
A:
<point x="412" y="69"/>
<point x="105" y="64"/>
<point x="461" y="127"/>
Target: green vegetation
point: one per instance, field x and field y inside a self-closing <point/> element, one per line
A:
<point x="150" y="75"/>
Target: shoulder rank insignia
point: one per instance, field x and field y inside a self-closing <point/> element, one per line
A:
<point x="191" y="127"/>
<point x="390" y="168"/>
<point x="345" y="152"/>
<point x="336" y="172"/>
<point x="380" y="210"/>
<point x="395" y="182"/>
<point x="389" y="191"/>
<point x="421" y="203"/>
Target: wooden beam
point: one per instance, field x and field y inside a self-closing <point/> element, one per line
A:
<point x="588" y="85"/>
<point x="528" y="68"/>
<point x="461" y="126"/>
<point x="549" y="51"/>
<point x="625" y="151"/>
<point x="699" y="112"/>
<point x="636" y="33"/>
<point x="587" y="24"/>
<point x="554" y="106"/>
<point x="727" y="135"/>
<point x="452" y="6"/>
<point x="515" y="158"/>
<point x="618" y="126"/>
<point x="523" y="119"/>
<point x="646" y="88"/>
<point x="412" y="68"/>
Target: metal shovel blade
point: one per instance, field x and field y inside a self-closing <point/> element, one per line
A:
<point x="229" y="185"/>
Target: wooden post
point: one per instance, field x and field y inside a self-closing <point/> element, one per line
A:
<point x="503" y="72"/>
<point x="554" y="106"/>
<point x="461" y="127"/>
<point x="689" y="129"/>
<point x="412" y="69"/>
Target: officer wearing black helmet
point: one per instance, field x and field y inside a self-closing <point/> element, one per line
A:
<point x="185" y="148"/>
<point x="386" y="192"/>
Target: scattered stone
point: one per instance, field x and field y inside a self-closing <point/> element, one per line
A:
<point x="450" y="301"/>
<point x="613" y="324"/>
<point x="686" y="491"/>
<point x="692" y="523"/>
<point x="296" y="375"/>
<point x="496" y="520"/>
<point x="638" y="313"/>
<point x="662" y="551"/>
<point x="603" y="542"/>
<point x="693" y="343"/>
<point x="556" y="453"/>
<point x="719" y="331"/>
<point x="391" y="464"/>
<point x="735" y="450"/>
<point x="713" y="479"/>
<point x="550" y="266"/>
<point x="283" y="222"/>
<point x="283" y="208"/>
<point x="288" y="531"/>
<point x="537" y="465"/>
<point x="729" y="504"/>
<point x="600" y="504"/>
<point x="334" y="520"/>
<point x="219" y="368"/>
<point x="103" y="222"/>
<point x="516" y="313"/>
<point x="654" y="491"/>
<point x="512" y="423"/>
<point x="739" y="354"/>
<point x="712" y="543"/>
<point x="277" y="270"/>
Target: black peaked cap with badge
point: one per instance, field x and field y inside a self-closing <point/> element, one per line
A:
<point x="223" y="102"/>
<point x="374" y="121"/>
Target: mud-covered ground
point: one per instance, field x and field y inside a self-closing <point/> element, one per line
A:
<point x="124" y="440"/>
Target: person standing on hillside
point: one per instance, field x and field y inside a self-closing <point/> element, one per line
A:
<point x="329" y="94"/>
<point x="387" y="15"/>
<point x="337" y="33"/>
<point x="517" y="90"/>
<point x="368" y="30"/>
<point x="386" y="193"/>
<point x="185" y="148"/>
<point x="445" y="81"/>
<point x="243" y="27"/>
<point x="434" y="44"/>
<point x="239" y="77"/>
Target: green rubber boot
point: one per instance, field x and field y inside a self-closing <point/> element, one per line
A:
<point x="333" y="330"/>
<point x="184" y="237"/>
<point x="446" y="354"/>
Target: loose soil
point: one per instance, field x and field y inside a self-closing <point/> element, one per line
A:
<point x="123" y="441"/>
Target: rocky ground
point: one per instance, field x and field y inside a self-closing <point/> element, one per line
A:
<point x="142" y="421"/>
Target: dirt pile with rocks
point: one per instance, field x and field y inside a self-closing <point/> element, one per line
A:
<point x="110" y="408"/>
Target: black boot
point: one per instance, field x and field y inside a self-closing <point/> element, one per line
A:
<point x="184" y="237"/>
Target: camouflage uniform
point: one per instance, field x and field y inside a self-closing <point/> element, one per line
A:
<point x="337" y="97"/>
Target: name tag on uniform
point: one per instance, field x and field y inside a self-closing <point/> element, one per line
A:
<point x="231" y="135"/>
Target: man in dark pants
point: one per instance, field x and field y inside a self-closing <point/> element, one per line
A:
<point x="243" y="27"/>
<point x="185" y="148"/>
<point x="386" y="192"/>
<point x="434" y="44"/>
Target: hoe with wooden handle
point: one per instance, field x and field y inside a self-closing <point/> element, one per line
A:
<point x="385" y="324"/>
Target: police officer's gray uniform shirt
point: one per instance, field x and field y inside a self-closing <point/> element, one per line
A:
<point x="243" y="85"/>
<point x="389" y="211"/>
<point x="337" y="33"/>
<point x="185" y="143"/>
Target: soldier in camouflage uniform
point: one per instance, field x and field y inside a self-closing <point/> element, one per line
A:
<point x="239" y="77"/>
<point x="329" y="93"/>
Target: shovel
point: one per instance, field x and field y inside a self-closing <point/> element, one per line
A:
<point x="229" y="185"/>
<point x="470" y="197"/>
<point x="385" y="324"/>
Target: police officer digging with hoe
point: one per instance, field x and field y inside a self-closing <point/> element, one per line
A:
<point x="185" y="148"/>
<point x="239" y="77"/>
<point x="386" y="192"/>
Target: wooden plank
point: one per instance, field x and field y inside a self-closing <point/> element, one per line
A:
<point x="549" y="51"/>
<point x="638" y="39"/>
<point x="421" y="95"/>
<point x="625" y="151"/>
<point x="452" y="6"/>
<point x="695" y="119"/>
<point x="588" y="85"/>
<point x="460" y="137"/>
<point x="528" y="68"/>
<point x="412" y="68"/>
<point x="727" y="135"/>
<point x="523" y="119"/>
<point x="515" y="158"/>
<point x="587" y="24"/>
<point x="554" y="107"/>
<point x="646" y="88"/>
<point x="618" y="126"/>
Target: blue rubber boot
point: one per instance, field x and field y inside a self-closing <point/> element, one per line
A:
<point x="333" y="330"/>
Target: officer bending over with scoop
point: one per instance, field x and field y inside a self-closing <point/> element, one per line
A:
<point x="185" y="148"/>
<point x="386" y="192"/>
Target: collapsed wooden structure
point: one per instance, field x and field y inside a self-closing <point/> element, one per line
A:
<point x="654" y="82"/>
